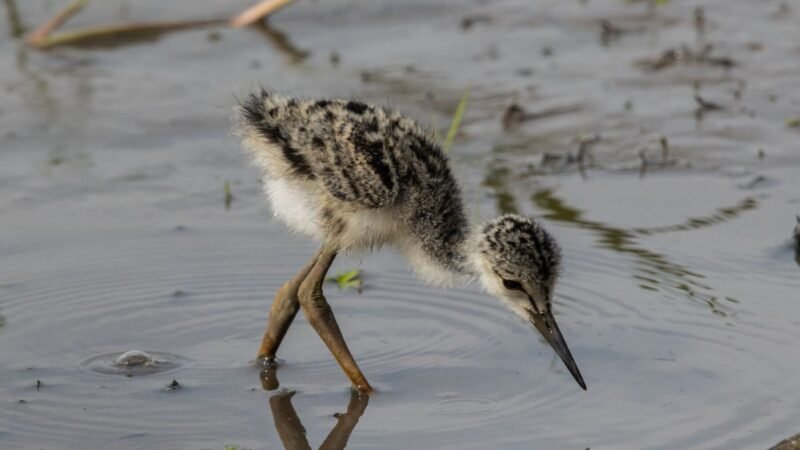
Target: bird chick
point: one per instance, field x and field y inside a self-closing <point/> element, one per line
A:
<point x="354" y="177"/>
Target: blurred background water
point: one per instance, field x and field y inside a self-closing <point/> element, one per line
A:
<point x="679" y="294"/>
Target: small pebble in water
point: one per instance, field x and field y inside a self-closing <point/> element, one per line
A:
<point x="134" y="358"/>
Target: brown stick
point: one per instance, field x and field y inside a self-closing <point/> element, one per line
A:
<point x="115" y="30"/>
<point x="41" y="33"/>
<point x="258" y="12"/>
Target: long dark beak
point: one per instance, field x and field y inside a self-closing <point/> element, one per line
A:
<point x="546" y="324"/>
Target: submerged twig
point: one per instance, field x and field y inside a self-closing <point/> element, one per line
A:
<point x="515" y="114"/>
<point x="15" y="22"/>
<point x="116" y="31"/>
<point x="645" y="162"/>
<point x="226" y="188"/>
<point x="706" y="105"/>
<point x="585" y="145"/>
<point x="664" y="148"/>
<point x="700" y="21"/>
<point x="44" y="36"/>
<point x="41" y="34"/>
<point x="258" y="12"/>
<point x="282" y="42"/>
<point x="685" y="55"/>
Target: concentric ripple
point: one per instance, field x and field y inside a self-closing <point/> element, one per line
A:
<point x="462" y="406"/>
<point x="445" y="362"/>
<point x="134" y="363"/>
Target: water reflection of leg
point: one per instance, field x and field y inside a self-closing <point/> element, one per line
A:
<point x="288" y="425"/>
<point x="337" y="438"/>
<point x="293" y="434"/>
<point x="797" y="255"/>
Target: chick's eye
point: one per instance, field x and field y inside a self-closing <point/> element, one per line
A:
<point x="512" y="285"/>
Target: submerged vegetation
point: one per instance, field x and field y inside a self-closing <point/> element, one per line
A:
<point x="456" y="123"/>
<point x="228" y="195"/>
<point x="46" y="35"/>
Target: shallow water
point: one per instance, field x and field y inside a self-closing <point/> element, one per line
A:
<point x="678" y="297"/>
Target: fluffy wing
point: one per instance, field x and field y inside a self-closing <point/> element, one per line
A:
<point x="358" y="152"/>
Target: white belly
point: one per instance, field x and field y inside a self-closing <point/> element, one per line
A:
<point x="296" y="207"/>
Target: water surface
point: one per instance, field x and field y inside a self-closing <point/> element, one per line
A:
<point x="678" y="297"/>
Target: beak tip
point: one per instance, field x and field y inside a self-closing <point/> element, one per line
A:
<point x="579" y="379"/>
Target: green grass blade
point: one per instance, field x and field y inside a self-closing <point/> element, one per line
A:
<point x="349" y="276"/>
<point x="451" y="133"/>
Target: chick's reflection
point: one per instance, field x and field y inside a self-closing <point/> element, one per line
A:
<point x="293" y="435"/>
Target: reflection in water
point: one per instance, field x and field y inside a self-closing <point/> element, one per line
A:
<point x="281" y="42"/>
<point x="293" y="435"/>
<point x="655" y="271"/>
<point x="119" y="35"/>
<point x="693" y="223"/>
<point x="495" y="179"/>
<point x="288" y="425"/>
<point x="14" y="22"/>
<point x="42" y="97"/>
<point x="797" y="241"/>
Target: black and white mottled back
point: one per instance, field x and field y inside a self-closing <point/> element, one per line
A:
<point x="358" y="151"/>
<point x="368" y="176"/>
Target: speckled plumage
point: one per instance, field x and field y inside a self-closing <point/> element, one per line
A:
<point x="356" y="176"/>
<point x="359" y="162"/>
<point x="520" y="249"/>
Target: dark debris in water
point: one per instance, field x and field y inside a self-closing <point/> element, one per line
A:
<point x="335" y="58"/>
<point x="281" y="42"/>
<point x="700" y="21"/>
<point x="706" y="105"/>
<point x="610" y="33"/>
<point x="172" y="387"/>
<point x="467" y="22"/>
<point x="514" y="114"/>
<point x="759" y="181"/>
<point x="685" y="55"/>
<point x="226" y="188"/>
<point x="797" y="232"/>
